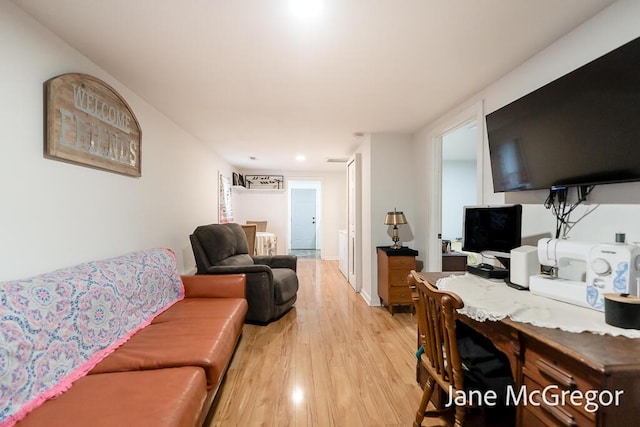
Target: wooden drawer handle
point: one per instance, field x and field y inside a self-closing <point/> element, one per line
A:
<point x="559" y="414"/>
<point x="558" y="375"/>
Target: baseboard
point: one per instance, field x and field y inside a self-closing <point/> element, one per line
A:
<point x="367" y="298"/>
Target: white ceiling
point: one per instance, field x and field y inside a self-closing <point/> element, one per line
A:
<point x="248" y="79"/>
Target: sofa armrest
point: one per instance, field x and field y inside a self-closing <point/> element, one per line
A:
<point x="214" y="286"/>
<point x="238" y="269"/>
<point x="277" y="261"/>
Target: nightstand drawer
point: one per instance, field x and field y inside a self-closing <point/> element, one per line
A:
<point x="398" y="277"/>
<point x="402" y="262"/>
<point x="399" y="294"/>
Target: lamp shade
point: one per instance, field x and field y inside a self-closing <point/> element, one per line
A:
<point x="395" y="218"/>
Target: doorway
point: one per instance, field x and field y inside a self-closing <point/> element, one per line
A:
<point x="444" y="210"/>
<point x="459" y="171"/>
<point x="305" y="218"/>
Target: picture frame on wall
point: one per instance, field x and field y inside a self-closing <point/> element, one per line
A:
<point x="270" y="182"/>
<point x="90" y="124"/>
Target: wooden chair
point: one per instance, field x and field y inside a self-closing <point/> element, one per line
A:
<point x="262" y="225"/>
<point x="250" y="230"/>
<point x="436" y="321"/>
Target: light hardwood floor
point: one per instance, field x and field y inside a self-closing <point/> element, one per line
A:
<point x="331" y="361"/>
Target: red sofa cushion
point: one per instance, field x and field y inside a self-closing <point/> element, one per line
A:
<point x="188" y="334"/>
<point x="210" y="308"/>
<point x="162" y="397"/>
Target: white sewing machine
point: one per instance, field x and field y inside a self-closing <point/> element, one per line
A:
<point x="593" y="269"/>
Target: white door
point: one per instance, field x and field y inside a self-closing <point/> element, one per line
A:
<point x="353" y="178"/>
<point x="303" y="218"/>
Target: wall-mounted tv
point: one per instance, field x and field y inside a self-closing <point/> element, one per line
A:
<point x="579" y="130"/>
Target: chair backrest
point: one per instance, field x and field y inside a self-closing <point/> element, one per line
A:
<point x="214" y="243"/>
<point x="250" y="230"/>
<point x="262" y="225"/>
<point x="437" y="325"/>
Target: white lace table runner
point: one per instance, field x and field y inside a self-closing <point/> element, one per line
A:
<point x="490" y="300"/>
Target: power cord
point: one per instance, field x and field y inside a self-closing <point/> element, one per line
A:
<point x="557" y="201"/>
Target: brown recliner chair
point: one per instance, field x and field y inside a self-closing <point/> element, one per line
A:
<point x="272" y="283"/>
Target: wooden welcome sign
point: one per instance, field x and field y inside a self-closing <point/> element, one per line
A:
<point x="89" y="123"/>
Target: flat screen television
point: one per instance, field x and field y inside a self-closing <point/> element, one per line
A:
<point x="579" y="130"/>
<point x="492" y="230"/>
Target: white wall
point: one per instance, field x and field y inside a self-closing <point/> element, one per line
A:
<point x="55" y="214"/>
<point x="423" y="177"/>
<point x="387" y="177"/>
<point x="609" y="29"/>
<point x="273" y="207"/>
<point x="367" y="264"/>
<point x="263" y="205"/>
<point x="458" y="190"/>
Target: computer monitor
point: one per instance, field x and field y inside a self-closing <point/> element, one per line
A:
<point x="492" y="230"/>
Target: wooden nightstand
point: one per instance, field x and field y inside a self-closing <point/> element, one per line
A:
<point x="394" y="266"/>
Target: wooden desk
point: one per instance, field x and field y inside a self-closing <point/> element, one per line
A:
<point x="542" y="357"/>
<point x="454" y="261"/>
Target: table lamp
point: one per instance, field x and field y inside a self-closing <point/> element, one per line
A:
<point x="394" y="218"/>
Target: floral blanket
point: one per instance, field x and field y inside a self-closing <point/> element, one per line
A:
<point x="54" y="328"/>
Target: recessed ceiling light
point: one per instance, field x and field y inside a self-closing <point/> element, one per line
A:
<point x="301" y="158"/>
<point x="306" y="10"/>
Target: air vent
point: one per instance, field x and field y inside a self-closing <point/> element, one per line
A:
<point x="337" y="160"/>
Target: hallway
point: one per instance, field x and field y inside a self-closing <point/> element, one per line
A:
<point x="331" y="361"/>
